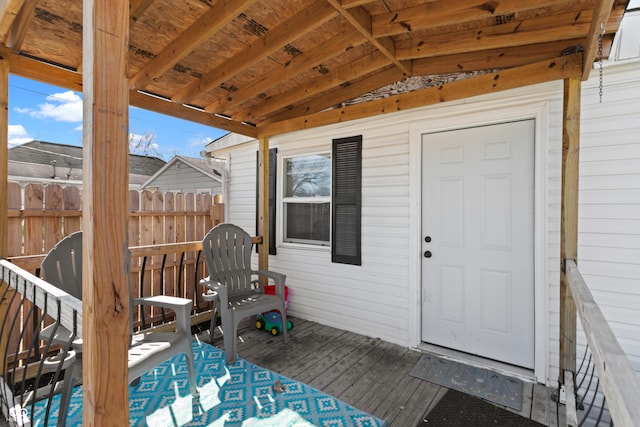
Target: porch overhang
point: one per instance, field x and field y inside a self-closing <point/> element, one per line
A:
<point x="261" y="68"/>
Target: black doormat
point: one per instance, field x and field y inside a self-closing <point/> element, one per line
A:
<point x="459" y="409"/>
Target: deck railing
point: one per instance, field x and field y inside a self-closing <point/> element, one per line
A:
<point x="28" y="305"/>
<point x="604" y="366"/>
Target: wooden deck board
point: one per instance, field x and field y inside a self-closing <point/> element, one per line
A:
<point x="368" y="373"/>
<point x="365" y="372"/>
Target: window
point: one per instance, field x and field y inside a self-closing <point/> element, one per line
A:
<point x="321" y="200"/>
<point x="307" y="199"/>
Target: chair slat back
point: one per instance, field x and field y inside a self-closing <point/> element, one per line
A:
<point x="62" y="267"/>
<point x="227" y="252"/>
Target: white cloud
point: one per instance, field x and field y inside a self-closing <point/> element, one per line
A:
<point x="200" y="142"/>
<point x="62" y="107"/>
<point x="18" y="135"/>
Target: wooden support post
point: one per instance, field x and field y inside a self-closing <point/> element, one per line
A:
<point x="569" y="219"/>
<point x="105" y="289"/>
<point x="263" y="202"/>
<point x="4" y="182"/>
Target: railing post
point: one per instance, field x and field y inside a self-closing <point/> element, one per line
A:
<point x="569" y="219"/>
<point x="4" y="181"/>
<point x="263" y="202"/>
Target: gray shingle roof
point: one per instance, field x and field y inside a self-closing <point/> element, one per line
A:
<point x="70" y="156"/>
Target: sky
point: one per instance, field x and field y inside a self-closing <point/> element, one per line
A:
<point x="53" y="114"/>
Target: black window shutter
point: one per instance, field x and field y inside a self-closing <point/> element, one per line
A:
<point x="273" y="159"/>
<point x="346" y="200"/>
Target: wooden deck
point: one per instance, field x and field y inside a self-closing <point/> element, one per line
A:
<point x="365" y="372"/>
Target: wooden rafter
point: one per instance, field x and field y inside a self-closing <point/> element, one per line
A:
<point x="457" y="15"/>
<point x="325" y="83"/>
<point x="204" y="27"/>
<point x="9" y="10"/>
<point x="339" y="95"/>
<point x="361" y="21"/>
<point x="598" y="26"/>
<point x="20" y="25"/>
<point x="543" y="71"/>
<point x="535" y="31"/>
<point x="310" y="18"/>
<point x="137" y="9"/>
<point x="295" y="66"/>
<point x="36" y="70"/>
<point x="492" y="59"/>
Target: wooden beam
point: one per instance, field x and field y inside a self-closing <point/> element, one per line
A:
<point x="569" y="219"/>
<point x="361" y="21"/>
<point x="324" y="83"/>
<point x="298" y="64"/>
<point x="4" y="150"/>
<point x="541" y="30"/>
<point x="263" y="202"/>
<point x="558" y="68"/>
<point x="137" y="9"/>
<point x="602" y="10"/>
<point x="51" y="74"/>
<point x="445" y="16"/>
<point x="310" y="18"/>
<point x="20" y="25"/>
<point x="494" y="59"/>
<point x="4" y="192"/>
<point x="339" y="95"/>
<point x="105" y="290"/>
<point x="164" y="106"/>
<point x="204" y="27"/>
<point x="9" y="10"/>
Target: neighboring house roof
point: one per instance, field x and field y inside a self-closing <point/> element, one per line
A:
<point x="201" y="165"/>
<point x="228" y="140"/>
<point x="69" y="157"/>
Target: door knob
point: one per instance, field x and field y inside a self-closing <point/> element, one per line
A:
<point x="427" y="239"/>
<point x="427" y="254"/>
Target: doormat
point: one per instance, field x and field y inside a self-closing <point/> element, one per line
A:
<point x="479" y="382"/>
<point x="459" y="409"/>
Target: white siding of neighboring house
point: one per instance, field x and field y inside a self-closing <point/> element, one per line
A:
<point x="379" y="298"/>
<point x="183" y="178"/>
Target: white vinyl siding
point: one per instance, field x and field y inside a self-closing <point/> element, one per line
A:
<point x="375" y="299"/>
<point x="183" y="178"/>
<point x="609" y="225"/>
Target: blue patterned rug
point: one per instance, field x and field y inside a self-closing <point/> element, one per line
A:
<point x="238" y="395"/>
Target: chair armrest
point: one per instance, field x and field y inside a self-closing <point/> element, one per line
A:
<point x="181" y="306"/>
<point x="278" y="279"/>
<point x="219" y="288"/>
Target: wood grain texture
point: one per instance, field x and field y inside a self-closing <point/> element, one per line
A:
<point x="105" y="176"/>
<point x="569" y="218"/>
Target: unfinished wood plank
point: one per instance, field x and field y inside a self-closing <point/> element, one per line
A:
<point x="4" y="183"/>
<point x="617" y="377"/>
<point x="553" y="69"/>
<point x="9" y="10"/>
<point x="72" y="202"/>
<point x="598" y="26"/>
<point x="208" y="24"/>
<point x="14" y="224"/>
<point x="52" y="226"/>
<point x="569" y="219"/>
<point x="105" y="191"/>
<point x="263" y="202"/>
<point x="189" y="235"/>
<point x="170" y="238"/>
<point x="33" y="201"/>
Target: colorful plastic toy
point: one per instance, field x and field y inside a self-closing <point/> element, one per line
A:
<point x="272" y="322"/>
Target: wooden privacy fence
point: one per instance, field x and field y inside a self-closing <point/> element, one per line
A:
<point x="165" y="233"/>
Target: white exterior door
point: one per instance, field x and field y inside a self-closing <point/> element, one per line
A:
<point x="478" y="241"/>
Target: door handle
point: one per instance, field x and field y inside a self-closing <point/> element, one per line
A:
<point x="427" y="254"/>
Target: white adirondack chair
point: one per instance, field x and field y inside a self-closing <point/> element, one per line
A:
<point x="62" y="267"/>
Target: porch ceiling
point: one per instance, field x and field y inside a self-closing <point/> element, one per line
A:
<point x="265" y="67"/>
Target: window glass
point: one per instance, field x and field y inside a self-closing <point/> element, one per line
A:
<point x="307" y="204"/>
<point x="308" y="176"/>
